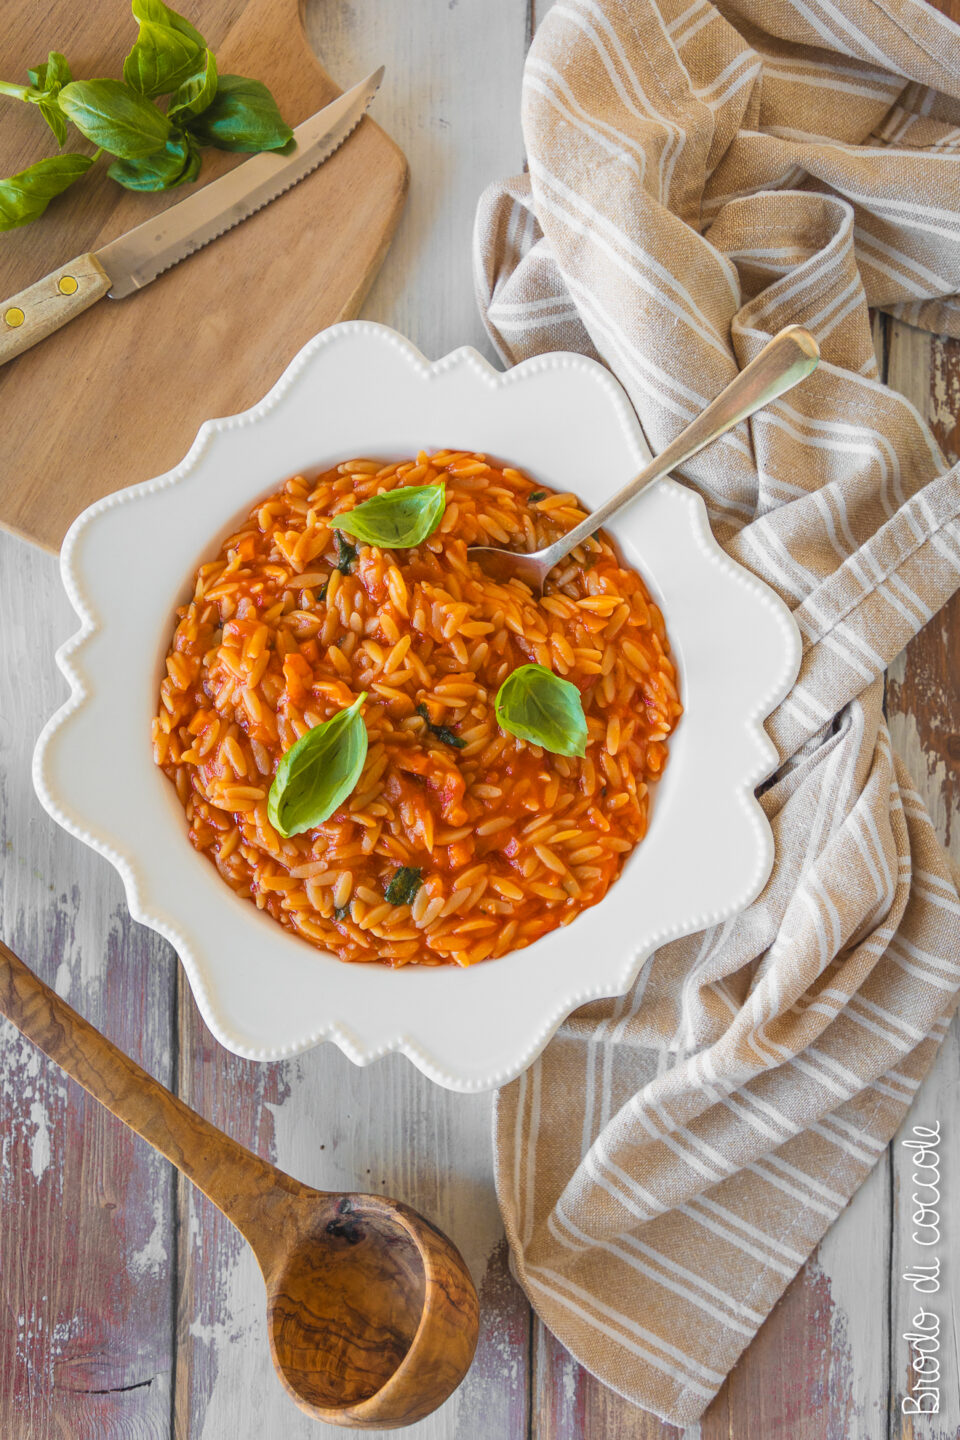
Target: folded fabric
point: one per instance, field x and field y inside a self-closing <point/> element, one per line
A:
<point x="699" y="176"/>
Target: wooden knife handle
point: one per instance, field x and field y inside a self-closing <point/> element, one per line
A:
<point x="42" y="308"/>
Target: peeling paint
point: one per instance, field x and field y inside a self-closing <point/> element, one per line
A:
<point x="40" y="1145"/>
<point x="493" y="1396"/>
<point x="944" y="405"/>
<point x="151" y="1258"/>
<point x="86" y="1344"/>
<point x="32" y="1099"/>
<point x="923" y="718"/>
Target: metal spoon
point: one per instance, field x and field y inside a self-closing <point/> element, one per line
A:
<point x="786" y="360"/>
<point x="371" y="1311"/>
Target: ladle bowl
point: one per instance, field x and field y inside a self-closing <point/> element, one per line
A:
<point x="371" y="1312"/>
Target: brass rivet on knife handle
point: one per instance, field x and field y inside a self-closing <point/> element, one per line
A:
<point x="43" y="307"/>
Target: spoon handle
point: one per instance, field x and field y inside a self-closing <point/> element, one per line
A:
<point x="782" y="363"/>
<point x="227" y="1173"/>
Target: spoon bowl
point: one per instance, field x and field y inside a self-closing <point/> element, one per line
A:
<point x="784" y="361"/>
<point x="372" y="1315"/>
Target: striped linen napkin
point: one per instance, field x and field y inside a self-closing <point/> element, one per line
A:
<point x="699" y="176"/>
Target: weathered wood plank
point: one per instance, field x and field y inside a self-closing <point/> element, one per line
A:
<point x="86" y="1210"/>
<point x="451" y="100"/>
<point x="923" y="704"/>
<point x="385" y="1128"/>
<point x="817" y="1368"/>
<point x="568" y="1403"/>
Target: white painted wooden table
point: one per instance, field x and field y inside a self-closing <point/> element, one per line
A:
<point x="129" y="1307"/>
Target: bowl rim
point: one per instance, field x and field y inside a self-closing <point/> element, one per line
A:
<point x="144" y="906"/>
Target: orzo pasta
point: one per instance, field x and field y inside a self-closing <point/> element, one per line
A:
<point x="509" y="841"/>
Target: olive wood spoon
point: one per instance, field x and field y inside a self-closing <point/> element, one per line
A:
<point x="782" y="363"/>
<point x="371" y="1311"/>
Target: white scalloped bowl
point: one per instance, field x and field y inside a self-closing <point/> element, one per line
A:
<point x="128" y="561"/>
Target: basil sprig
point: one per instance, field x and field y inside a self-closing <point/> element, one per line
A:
<point x="538" y="706"/>
<point x="398" y="519"/>
<point x="318" y="773"/>
<point x="153" y="149"/>
<point x="46" y="82"/>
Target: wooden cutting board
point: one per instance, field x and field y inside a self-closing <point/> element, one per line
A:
<point x="118" y="394"/>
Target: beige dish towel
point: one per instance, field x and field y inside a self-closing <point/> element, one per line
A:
<point x="699" y="176"/>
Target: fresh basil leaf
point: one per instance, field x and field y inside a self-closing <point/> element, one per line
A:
<point x="318" y="773"/>
<point x="242" y="116"/>
<point x="403" y="887"/>
<point x="536" y="495"/>
<point x="53" y="74"/>
<point x="195" y="94"/>
<point x="115" y="117"/>
<point x="540" y="707"/>
<point x="194" y="160"/>
<point x="398" y="519"/>
<point x="25" y="196"/>
<point x="161" y="60"/>
<point x="53" y="115"/>
<point x="58" y="70"/>
<point x="346" y="554"/>
<point x="442" y="732"/>
<point x="177" y="163"/>
<point x="156" y="13"/>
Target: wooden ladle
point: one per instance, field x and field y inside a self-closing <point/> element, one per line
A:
<point x="371" y="1311"/>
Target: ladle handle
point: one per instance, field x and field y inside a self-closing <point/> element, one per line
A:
<point x="782" y="363"/>
<point x="227" y="1173"/>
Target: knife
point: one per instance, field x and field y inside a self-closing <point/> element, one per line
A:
<point x="134" y="259"/>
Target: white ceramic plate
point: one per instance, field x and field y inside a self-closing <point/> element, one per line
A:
<point x="360" y="389"/>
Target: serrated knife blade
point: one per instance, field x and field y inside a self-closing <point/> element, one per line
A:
<point x="134" y="259"/>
